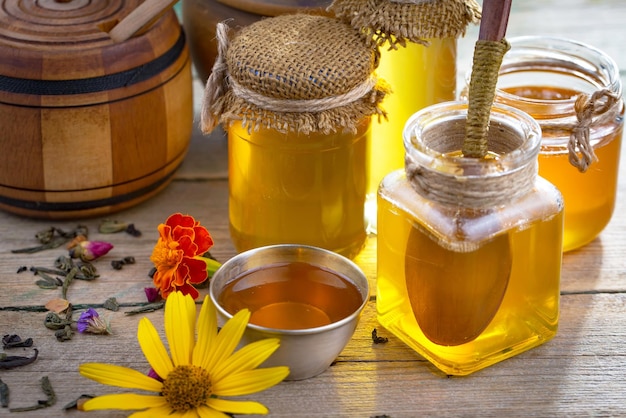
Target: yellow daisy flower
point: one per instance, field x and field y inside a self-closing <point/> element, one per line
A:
<point x="198" y="374"/>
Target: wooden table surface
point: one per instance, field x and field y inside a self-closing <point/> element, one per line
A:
<point x="581" y="372"/>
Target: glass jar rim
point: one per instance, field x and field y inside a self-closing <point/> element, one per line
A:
<point x="503" y="116"/>
<point x="590" y="68"/>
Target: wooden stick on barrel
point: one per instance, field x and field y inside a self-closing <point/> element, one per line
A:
<point x="490" y="48"/>
<point x="139" y="20"/>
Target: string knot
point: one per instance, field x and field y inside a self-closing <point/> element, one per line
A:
<point x="581" y="153"/>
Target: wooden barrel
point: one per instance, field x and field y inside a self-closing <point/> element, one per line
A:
<point x="88" y="126"/>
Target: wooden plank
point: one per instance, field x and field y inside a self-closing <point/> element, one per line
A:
<point x="578" y="372"/>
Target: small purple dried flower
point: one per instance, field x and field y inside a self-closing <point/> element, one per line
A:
<point x="90" y="250"/>
<point x="152" y="294"/>
<point x="90" y="322"/>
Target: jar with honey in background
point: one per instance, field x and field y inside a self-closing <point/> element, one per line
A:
<point x="469" y="249"/>
<point x="296" y="94"/>
<point x="574" y="91"/>
<point x="418" y="46"/>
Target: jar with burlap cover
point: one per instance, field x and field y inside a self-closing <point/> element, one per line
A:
<point x="399" y="21"/>
<point x="295" y="72"/>
<point x="296" y="94"/>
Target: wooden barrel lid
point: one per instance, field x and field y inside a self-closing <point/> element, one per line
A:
<point x="60" y="24"/>
<point x="68" y="39"/>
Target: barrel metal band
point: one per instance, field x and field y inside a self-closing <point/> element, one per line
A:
<point x="95" y="84"/>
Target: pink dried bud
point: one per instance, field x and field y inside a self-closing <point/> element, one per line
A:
<point x="90" y="250"/>
<point x="152" y="294"/>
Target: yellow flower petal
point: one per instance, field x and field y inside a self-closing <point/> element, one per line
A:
<point x="207" y="412"/>
<point x="109" y="374"/>
<point x="153" y="349"/>
<point x="250" y="381"/>
<point x="237" y="407"/>
<point x="160" y="411"/>
<point x="125" y="401"/>
<point x="228" y="338"/>
<point x="207" y="333"/>
<point x="180" y="324"/>
<point x="246" y="358"/>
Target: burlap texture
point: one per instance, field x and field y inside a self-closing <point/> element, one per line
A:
<point x="295" y="72"/>
<point x="397" y="21"/>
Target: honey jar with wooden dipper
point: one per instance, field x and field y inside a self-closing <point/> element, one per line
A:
<point x="469" y="236"/>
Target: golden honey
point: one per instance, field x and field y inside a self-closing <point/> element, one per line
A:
<point x="295" y="188"/>
<point x="469" y="266"/>
<point x="419" y="76"/>
<point x="526" y="316"/>
<point x="295" y="295"/>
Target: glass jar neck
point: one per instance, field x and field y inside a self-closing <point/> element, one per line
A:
<point x="436" y="169"/>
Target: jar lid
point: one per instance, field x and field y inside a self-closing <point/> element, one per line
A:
<point x="396" y="21"/>
<point x="295" y="72"/>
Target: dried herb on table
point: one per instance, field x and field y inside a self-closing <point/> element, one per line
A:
<point x="76" y="403"/>
<point x="50" y="400"/>
<point x="109" y="226"/>
<point x="150" y="307"/>
<point x="4" y="394"/>
<point x="111" y="304"/>
<point x="15" y="341"/>
<point x="52" y="238"/>
<point x="118" y="264"/>
<point x="55" y="322"/>
<point x="11" y="362"/>
<point x="64" y="334"/>
<point x="57" y="242"/>
<point x="378" y="340"/>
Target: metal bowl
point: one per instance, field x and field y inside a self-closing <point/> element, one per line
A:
<point x="307" y="352"/>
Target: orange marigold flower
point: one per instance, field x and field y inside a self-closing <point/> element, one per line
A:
<point x="177" y="255"/>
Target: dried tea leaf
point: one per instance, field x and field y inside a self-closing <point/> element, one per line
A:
<point x="15" y="341"/>
<point x="111" y="304"/>
<point x="78" y="403"/>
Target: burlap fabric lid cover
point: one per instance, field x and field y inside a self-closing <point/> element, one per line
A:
<point x="297" y="72"/>
<point x="396" y="21"/>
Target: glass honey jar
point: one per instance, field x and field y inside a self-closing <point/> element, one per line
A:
<point x="296" y="188"/>
<point x="469" y="250"/>
<point x="574" y="91"/>
<point x="418" y="44"/>
<point x="296" y="94"/>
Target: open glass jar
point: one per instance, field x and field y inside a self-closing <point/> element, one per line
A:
<point x="469" y="250"/>
<point x="573" y="90"/>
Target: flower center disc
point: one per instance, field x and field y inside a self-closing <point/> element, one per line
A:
<point x="187" y="387"/>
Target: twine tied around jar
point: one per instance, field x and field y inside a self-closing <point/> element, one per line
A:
<point x="586" y="107"/>
<point x="478" y="184"/>
<point x="301" y="73"/>
<point x="398" y="21"/>
<point x="488" y="56"/>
